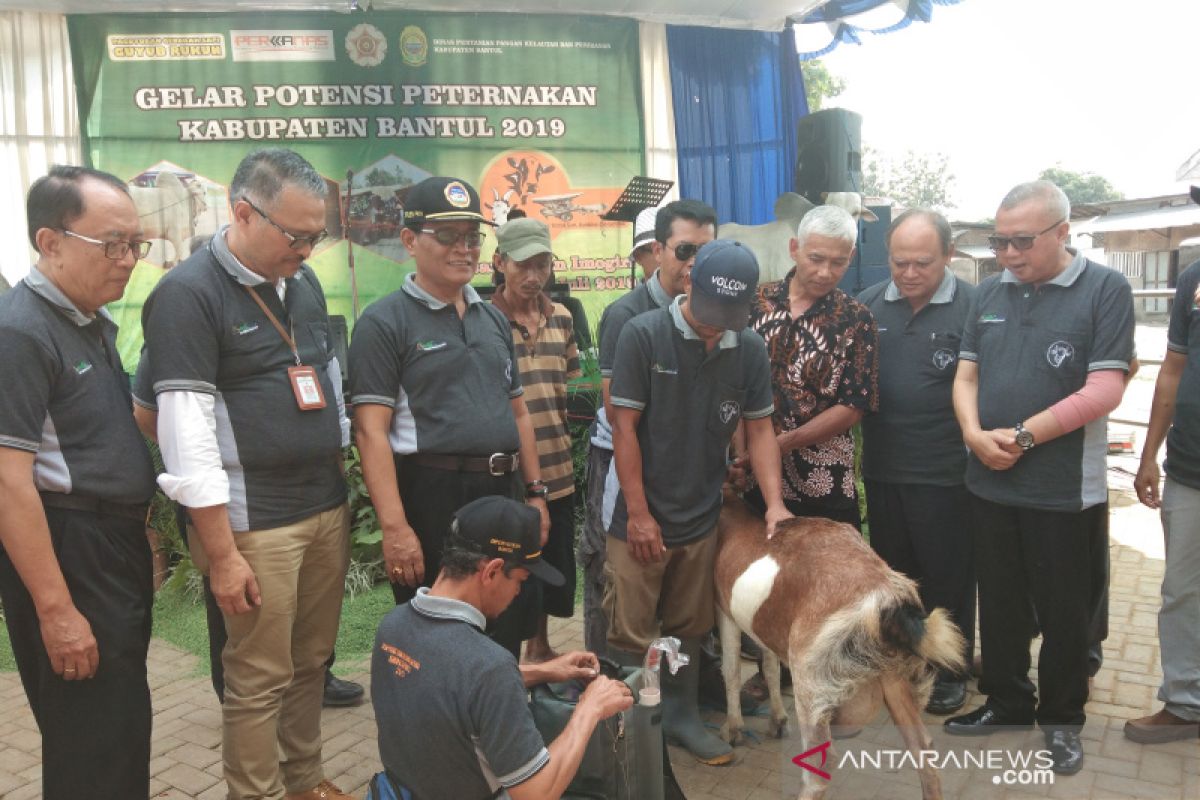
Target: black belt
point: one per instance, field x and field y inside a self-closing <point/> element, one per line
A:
<point x="496" y="464"/>
<point x="94" y="505"/>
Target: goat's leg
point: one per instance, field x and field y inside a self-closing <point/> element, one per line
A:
<point x="812" y="726"/>
<point x="770" y="670"/>
<point x="731" y="646"/>
<point x="902" y="705"/>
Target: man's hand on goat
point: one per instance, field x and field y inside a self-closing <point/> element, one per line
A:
<point x="774" y="516"/>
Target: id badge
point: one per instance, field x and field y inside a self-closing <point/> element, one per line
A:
<point x="307" y="388"/>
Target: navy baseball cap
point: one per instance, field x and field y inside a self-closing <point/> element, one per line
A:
<point x="442" y="200"/>
<point x="724" y="282"/>
<point x="505" y="529"/>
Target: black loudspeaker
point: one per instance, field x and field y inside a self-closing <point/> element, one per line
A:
<point x="829" y="153"/>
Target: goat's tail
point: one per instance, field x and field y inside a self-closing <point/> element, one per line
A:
<point x="933" y="638"/>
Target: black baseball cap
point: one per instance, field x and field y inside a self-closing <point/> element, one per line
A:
<point x="724" y="282"/>
<point x="442" y="200"/>
<point x="503" y="528"/>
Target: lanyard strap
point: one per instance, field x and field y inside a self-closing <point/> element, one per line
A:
<point x="286" y="336"/>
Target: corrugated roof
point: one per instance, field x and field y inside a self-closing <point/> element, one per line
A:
<point x="1156" y="219"/>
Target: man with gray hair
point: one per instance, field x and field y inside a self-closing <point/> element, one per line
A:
<point x="824" y="368"/>
<point x="1044" y="354"/>
<point x="251" y="426"/>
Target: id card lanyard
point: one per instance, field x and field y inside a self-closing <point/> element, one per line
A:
<point x="305" y="384"/>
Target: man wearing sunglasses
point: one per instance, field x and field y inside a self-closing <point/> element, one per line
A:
<point x="75" y="571"/>
<point x="440" y="417"/>
<point x="252" y="426"/>
<point x="1044" y="354"/>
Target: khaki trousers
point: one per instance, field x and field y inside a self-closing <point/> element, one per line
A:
<point x="275" y="657"/>
<point x="678" y="591"/>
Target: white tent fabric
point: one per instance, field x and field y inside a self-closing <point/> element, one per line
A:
<point x="662" y="159"/>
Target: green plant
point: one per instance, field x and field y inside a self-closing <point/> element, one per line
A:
<point x="366" y="535"/>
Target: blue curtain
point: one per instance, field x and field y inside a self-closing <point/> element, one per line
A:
<point x="737" y="98"/>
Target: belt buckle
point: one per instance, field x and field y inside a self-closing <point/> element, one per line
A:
<point x="493" y="470"/>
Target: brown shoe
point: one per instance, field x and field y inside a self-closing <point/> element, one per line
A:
<point x="325" y="790"/>
<point x="1161" y="727"/>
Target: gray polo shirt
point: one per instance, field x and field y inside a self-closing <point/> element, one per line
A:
<point x="1183" y="336"/>
<point x="449" y="380"/>
<point x="691" y="400"/>
<point x="914" y="437"/>
<point x="646" y="297"/>
<point x="66" y="397"/>
<point x="1035" y="346"/>
<point x="205" y="334"/>
<point x="450" y="704"/>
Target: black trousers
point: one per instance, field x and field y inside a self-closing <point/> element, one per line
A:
<point x="430" y="497"/>
<point x="559" y="552"/>
<point x="95" y="732"/>
<point x="924" y="532"/>
<point x="1035" y="568"/>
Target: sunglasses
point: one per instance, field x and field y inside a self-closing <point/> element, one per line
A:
<point x="448" y="237"/>
<point x="686" y="251"/>
<point x="295" y="242"/>
<point x="999" y="244"/>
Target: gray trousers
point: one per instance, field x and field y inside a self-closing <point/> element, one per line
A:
<point x="592" y="553"/>
<point x="1179" y="619"/>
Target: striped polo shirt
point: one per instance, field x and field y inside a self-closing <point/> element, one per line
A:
<point x="547" y="359"/>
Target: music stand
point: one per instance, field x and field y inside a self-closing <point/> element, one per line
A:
<point x="641" y="192"/>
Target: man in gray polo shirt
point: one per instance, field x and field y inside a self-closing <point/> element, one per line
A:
<point x="913" y="456"/>
<point x="75" y="478"/>
<point x="438" y="408"/>
<point x="673" y="234"/>
<point x="451" y="705"/>
<point x="251" y="427"/>
<point x="1043" y="359"/>
<point x="683" y="378"/>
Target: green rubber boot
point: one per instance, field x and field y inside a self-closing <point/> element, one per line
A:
<point x="681" y="715"/>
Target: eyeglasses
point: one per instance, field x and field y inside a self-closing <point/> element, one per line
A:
<point x="448" y="237"/>
<point x="113" y="250"/>
<point x="686" y="251"/>
<point x="999" y="244"/>
<point x="295" y="242"/>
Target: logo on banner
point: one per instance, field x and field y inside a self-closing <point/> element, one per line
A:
<point x="282" y="45"/>
<point x="365" y="45"/>
<point x="414" y="47"/>
<point x="166" y="47"/>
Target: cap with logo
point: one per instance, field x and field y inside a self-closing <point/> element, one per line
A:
<point x="724" y="282"/>
<point x="643" y="228"/>
<point x="442" y="200"/>
<point x="523" y="238"/>
<point x="505" y="529"/>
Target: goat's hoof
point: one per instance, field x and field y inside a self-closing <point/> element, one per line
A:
<point x="731" y="735"/>
<point x="777" y="728"/>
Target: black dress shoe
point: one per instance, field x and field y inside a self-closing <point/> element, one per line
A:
<point x="947" y="697"/>
<point x="983" y="721"/>
<point x="1066" y="750"/>
<point x="341" y="693"/>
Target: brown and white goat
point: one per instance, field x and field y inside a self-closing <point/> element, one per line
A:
<point x="852" y="631"/>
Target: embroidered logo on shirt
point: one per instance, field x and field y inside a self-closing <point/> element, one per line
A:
<point x="986" y="318"/>
<point x="82" y="367"/>
<point x="245" y="327"/>
<point x="662" y="370"/>
<point x="729" y="410"/>
<point x="1059" y="352"/>
<point x="429" y="346"/>
<point x="943" y="358"/>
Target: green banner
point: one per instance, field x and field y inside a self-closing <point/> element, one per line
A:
<point x="539" y="113"/>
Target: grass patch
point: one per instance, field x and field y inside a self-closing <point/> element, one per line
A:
<point x="7" y="662"/>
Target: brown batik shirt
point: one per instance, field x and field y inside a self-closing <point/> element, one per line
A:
<point x="828" y="356"/>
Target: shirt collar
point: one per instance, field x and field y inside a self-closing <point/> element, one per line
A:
<point x="236" y="269"/>
<point x="943" y="294"/>
<point x="728" y="338"/>
<point x="414" y="291"/>
<point x="37" y="281"/>
<point x="500" y="301"/>
<point x="657" y="293"/>
<point x="1065" y="278"/>
<point x="436" y="607"/>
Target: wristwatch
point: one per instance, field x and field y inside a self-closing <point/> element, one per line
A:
<point x="1024" y="437"/>
<point x="536" y="489"/>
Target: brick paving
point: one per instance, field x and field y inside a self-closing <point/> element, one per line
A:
<point x="186" y="745"/>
